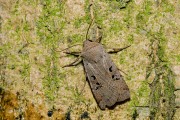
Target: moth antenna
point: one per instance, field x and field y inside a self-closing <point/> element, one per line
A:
<point x="68" y="47"/>
<point x="89" y="29"/>
<point x="92" y="17"/>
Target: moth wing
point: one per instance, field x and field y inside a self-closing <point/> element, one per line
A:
<point x="107" y="84"/>
<point x="117" y="80"/>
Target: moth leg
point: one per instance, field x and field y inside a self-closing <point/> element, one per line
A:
<point x="76" y="54"/>
<point x="122" y="71"/>
<point x="116" y="50"/>
<point x="76" y="62"/>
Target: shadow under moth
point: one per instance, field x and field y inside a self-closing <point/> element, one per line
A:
<point x="106" y="82"/>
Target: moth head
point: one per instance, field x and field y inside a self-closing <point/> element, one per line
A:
<point x="98" y="40"/>
<point x="90" y="40"/>
<point x="94" y="34"/>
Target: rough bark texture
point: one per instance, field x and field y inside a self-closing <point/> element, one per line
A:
<point x="162" y="98"/>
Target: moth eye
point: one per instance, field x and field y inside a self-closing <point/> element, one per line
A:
<point x="110" y="69"/>
<point x="93" y="77"/>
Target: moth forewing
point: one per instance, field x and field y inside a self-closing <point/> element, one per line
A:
<point x="106" y="82"/>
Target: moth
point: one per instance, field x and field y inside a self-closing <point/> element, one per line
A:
<point x="106" y="82"/>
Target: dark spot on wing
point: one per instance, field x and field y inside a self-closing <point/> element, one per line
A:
<point x="93" y="77"/>
<point x="110" y="69"/>
<point x="98" y="86"/>
<point x="97" y="83"/>
<point x="115" y="77"/>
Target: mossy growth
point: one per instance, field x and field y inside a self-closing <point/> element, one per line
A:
<point x="144" y="90"/>
<point x="162" y="88"/>
<point x="167" y="6"/>
<point x="78" y="22"/>
<point x="178" y="58"/>
<point x="51" y="80"/>
<point x="143" y="16"/>
<point x="49" y="30"/>
<point x="50" y="23"/>
<point x="118" y="4"/>
<point x="160" y="39"/>
<point x="77" y="38"/>
<point x="116" y="26"/>
<point x="99" y="15"/>
<point x="128" y="17"/>
<point x="130" y="38"/>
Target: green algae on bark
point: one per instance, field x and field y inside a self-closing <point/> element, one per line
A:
<point x="162" y="98"/>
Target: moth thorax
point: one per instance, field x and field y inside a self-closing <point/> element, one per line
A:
<point x="89" y="44"/>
